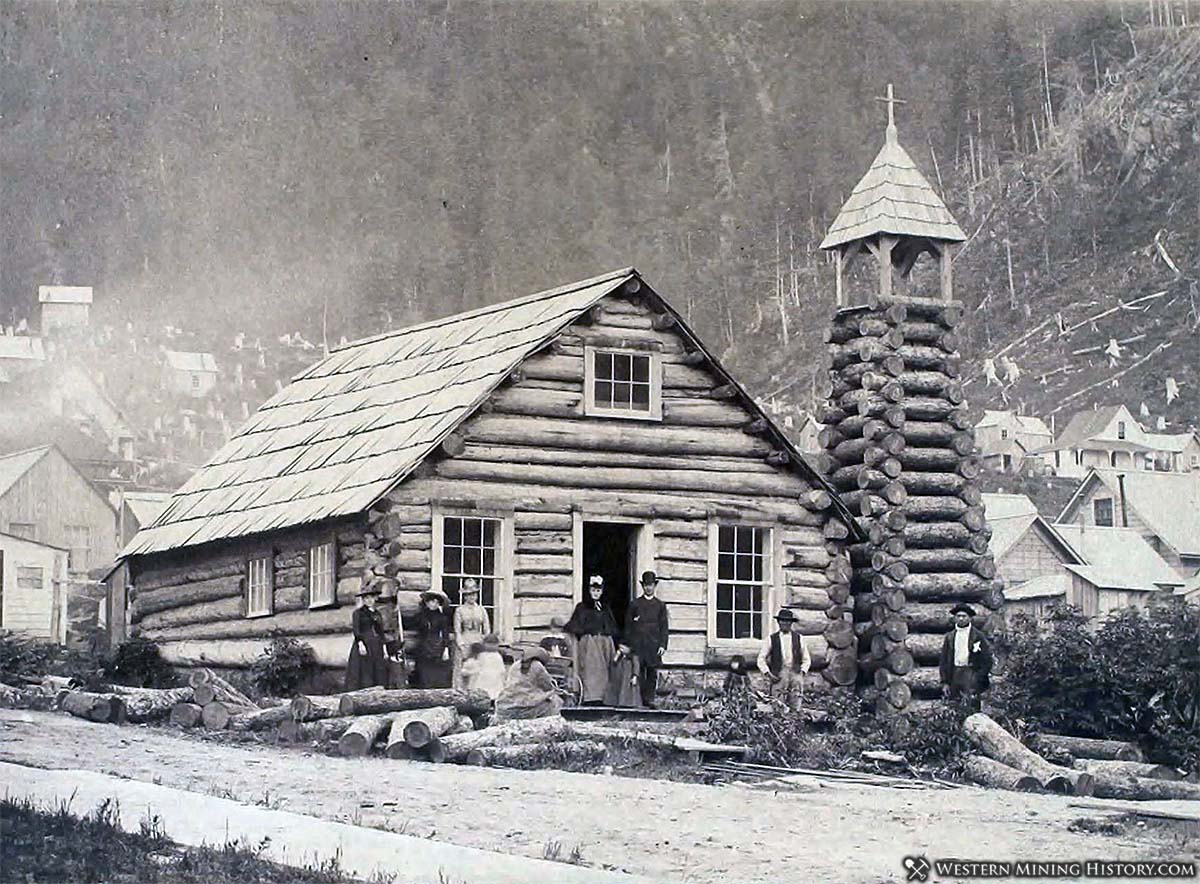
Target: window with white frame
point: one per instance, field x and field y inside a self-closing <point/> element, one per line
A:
<point x="1120" y="429"/>
<point x="1102" y="512"/>
<point x="742" y="581"/>
<point x="27" y="530"/>
<point x="260" y="586"/>
<point x="623" y="383"/>
<point x="322" y="580"/>
<point x="471" y="547"/>
<point x="1003" y="433"/>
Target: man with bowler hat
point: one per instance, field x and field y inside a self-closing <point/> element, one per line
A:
<point x="966" y="660"/>
<point x="784" y="659"/>
<point x="646" y="633"/>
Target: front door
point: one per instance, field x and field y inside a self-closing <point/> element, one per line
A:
<point x="610" y="550"/>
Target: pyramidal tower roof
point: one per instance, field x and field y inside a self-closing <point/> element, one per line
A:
<point x="893" y="197"/>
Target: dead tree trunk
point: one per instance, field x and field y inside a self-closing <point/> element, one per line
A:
<point x="1083" y="747"/>
<point x="989" y="772"/>
<point x="371" y="701"/>
<point x="538" y="755"/>
<point x="313" y="708"/>
<point x="360" y="736"/>
<point x="532" y="730"/>
<point x="998" y="744"/>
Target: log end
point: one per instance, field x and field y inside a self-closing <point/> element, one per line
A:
<point x="417" y="734"/>
<point x="352" y="745"/>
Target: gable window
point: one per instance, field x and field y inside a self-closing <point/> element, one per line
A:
<point x="1078" y="456"/>
<point x="471" y="546"/>
<point x="260" y="586"/>
<point x="1120" y="429"/>
<point x="195" y="382"/>
<point x="623" y="383"/>
<point x="740" y="587"/>
<point x="1057" y="460"/>
<point x="1003" y="433"/>
<point x="27" y="530"/>
<point x="1102" y="512"/>
<point x="322" y="580"/>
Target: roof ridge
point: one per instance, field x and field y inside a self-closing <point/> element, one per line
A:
<point x="483" y="311"/>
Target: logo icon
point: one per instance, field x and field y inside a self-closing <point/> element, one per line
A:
<point x="918" y="868"/>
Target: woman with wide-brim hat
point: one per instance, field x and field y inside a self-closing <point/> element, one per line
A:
<point x="434" y="661"/>
<point x="471" y="624"/>
<point x="367" y="666"/>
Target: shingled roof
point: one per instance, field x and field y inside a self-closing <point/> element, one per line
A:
<point x="893" y="197"/>
<point x="346" y="430"/>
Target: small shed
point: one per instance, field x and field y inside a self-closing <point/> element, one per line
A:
<point x="64" y="307"/>
<point x="33" y="588"/>
<point x="189" y="374"/>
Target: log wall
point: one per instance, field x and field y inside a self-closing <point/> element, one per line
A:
<point x="531" y="457"/>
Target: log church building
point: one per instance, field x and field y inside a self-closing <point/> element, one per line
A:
<point x="528" y="444"/>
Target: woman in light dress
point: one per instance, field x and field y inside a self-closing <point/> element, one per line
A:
<point x="471" y="624"/>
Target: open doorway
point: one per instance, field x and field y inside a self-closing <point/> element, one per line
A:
<point x="610" y="550"/>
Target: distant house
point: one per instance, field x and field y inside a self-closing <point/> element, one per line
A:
<point x="19" y="354"/>
<point x="808" y="440"/>
<point x="1121" y="569"/>
<point x="189" y="374"/>
<point x="1106" y="438"/>
<point x="1163" y="508"/>
<point x="138" y="509"/>
<point x="1005" y="440"/>
<point x="64" y="306"/>
<point x="46" y="499"/>
<point x="1030" y="555"/>
<point x="33" y="587"/>
<point x="1174" y="452"/>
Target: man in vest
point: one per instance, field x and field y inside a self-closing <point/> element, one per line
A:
<point x="647" y="631"/>
<point x="784" y="659"/>
<point x="966" y="660"/>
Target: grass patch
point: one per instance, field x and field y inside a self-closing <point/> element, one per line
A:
<point x="37" y="844"/>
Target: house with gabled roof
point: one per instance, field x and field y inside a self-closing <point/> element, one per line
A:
<point x="1104" y="438"/>
<point x="1164" y="508"/>
<point x="1031" y="557"/>
<point x="189" y="374"/>
<point x="529" y="444"/>
<point x="1174" y="452"/>
<point x="1005" y="438"/>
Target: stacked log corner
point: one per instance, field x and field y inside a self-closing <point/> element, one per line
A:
<point x="899" y="447"/>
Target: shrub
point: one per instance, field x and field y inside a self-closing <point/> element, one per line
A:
<point x="1135" y="675"/>
<point x="283" y="666"/>
<point x="138" y="662"/>
<point x="24" y="657"/>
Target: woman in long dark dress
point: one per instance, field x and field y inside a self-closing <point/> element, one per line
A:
<point x="435" y="667"/>
<point x="595" y="629"/>
<point x="367" y="666"/>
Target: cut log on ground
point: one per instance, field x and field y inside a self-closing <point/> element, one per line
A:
<point x="185" y="715"/>
<point x="323" y="730"/>
<point x="259" y="719"/>
<point x="1084" y="747"/>
<point x="210" y="686"/>
<point x="215" y="715"/>
<point x="312" y="708"/>
<point x="150" y="704"/>
<point x="371" y="701"/>
<point x="533" y="730"/>
<point x="539" y="755"/>
<point x="998" y="744"/>
<point x="989" y="772"/>
<point x="428" y="724"/>
<point x="358" y="739"/>
<point x="1144" y="789"/>
<point x="1135" y="769"/>
<point x="94" y="707"/>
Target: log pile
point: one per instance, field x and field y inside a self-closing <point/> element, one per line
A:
<point x="899" y="444"/>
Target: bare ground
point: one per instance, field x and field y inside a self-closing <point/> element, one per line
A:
<point x="663" y="830"/>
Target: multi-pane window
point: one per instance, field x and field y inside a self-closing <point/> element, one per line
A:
<point x="322" y="584"/>
<point x="260" y="579"/>
<point x="79" y="543"/>
<point x="1120" y="429"/>
<point x="623" y="383"/>
<point x="471" y="548"/>
<point x="742" y="581"/>
<point x="1003" y="433"/>
<point x="1102" y="509"/>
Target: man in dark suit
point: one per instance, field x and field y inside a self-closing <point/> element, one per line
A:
<point x="966" y="659"/>
<point x="646" y="633"/>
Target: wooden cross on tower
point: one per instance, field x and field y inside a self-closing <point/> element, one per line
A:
<point x="891" y="100"/>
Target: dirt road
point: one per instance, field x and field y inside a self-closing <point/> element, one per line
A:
<point x="665" y="831"/>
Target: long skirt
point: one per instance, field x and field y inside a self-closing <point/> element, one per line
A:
<point x="595" y="656"/>
<point x="433" y="673"/>
<point x="366" y="670"/>
<point x="623" y="685"/>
